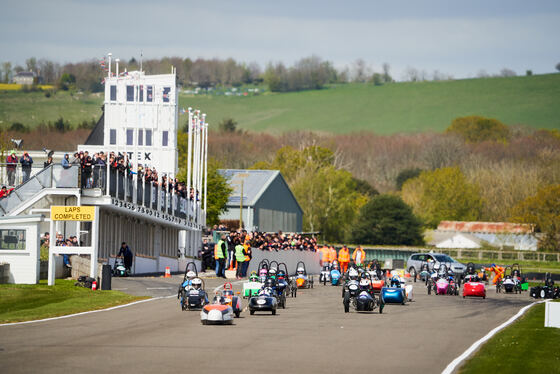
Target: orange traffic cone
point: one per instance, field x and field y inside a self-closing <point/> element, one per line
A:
<point x="167" y="272"/>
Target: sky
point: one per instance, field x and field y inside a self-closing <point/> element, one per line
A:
<point x="455" y="38"/>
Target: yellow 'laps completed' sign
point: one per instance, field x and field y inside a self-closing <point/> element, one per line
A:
<point x="72" y="213"/>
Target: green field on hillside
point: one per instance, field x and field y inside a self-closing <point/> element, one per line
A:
<point x="392" y="108"/>
<point x="32" y="108"/>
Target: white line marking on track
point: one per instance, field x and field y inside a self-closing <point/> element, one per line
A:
<point x="455" y="363"/>
<point x="158" y="288"/>
<point x="88" y="312"/>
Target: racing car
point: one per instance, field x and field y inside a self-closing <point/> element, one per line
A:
<point x="547" y="291"/>
<point x="191" y="293"/>
<point x="330" y="274"/>
<point x="395" y="293"/>
<point x="358" y="292"/>
<point x="252" y="286"/>
<point x="284" y="285"/>
<point x="302" y="279"/>
<point x="265" y="300"/>
<point x="444" y="283"/>
<point x="231" y="299"/>
<point x="512" y="281"/>
<point x="119" y="270"/>
<point x="263" y="270"/>
<point x="473" y="286"/>
<point x="325" y="275"/>
<point x="218" y="313"/>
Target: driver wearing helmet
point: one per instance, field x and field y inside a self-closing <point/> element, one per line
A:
<point x="196" y="284"/>
<point x="270" y="283"/>
<point x="395" y="281"/>
<point x="353" y="274"/>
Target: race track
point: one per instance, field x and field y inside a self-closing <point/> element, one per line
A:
<point x="312" y="335"/>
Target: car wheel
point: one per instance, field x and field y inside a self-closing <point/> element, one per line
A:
<point x="346" y="302"/>
<point x="251" y="312"/>
<point x="273" y="312"/>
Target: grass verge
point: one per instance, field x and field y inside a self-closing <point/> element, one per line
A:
<point x="523" y="347"/>
<point x="526" y="266"/>
<point x="22" y="302"/>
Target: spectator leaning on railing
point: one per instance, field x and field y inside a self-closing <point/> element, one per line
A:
<point x="65" y="161"/>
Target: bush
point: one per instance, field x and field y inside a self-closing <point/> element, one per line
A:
<point x="475" y="129"/>
<point x="19" y="127"/>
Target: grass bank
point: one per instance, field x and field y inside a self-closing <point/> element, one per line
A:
<point x="393" y="108"/>
<point x="29" y="302"/>
<point x="524" y="347"/>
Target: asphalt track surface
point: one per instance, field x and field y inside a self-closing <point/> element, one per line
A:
<point x="312" y="335"/>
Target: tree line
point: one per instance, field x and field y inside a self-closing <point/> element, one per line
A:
<point x="307" y="73"/>
<point x="310" y="72"/>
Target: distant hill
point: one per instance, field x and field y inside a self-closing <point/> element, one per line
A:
<point x="399" y="107"/>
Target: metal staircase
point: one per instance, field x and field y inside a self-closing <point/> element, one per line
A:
<point x="50" y="179"/>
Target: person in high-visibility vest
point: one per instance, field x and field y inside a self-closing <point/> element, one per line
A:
<point x="332" y="255"/>
<point x="325" y="255"/>
<point x="239" y="257"/>
<point x="220" y="254"/>
<point x="359" y="256"/>
<point x="343" y="259"/>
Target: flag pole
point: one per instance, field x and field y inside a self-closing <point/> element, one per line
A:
<point x="189" y="151"/>
<point x="205" y="166"/>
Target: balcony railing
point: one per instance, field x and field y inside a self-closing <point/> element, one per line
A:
<point x="131" y="188"/>
<point x="113" y="182"/>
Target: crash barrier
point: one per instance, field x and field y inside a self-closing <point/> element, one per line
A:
<point x="289" y="257"/>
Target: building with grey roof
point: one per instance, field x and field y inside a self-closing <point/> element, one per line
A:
<point x="267" y="203"/>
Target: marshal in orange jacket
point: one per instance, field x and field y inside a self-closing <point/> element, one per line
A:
<point x="332" y="254"/>
<point x="362" y="258"/>
<point x="344" y="255"/>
